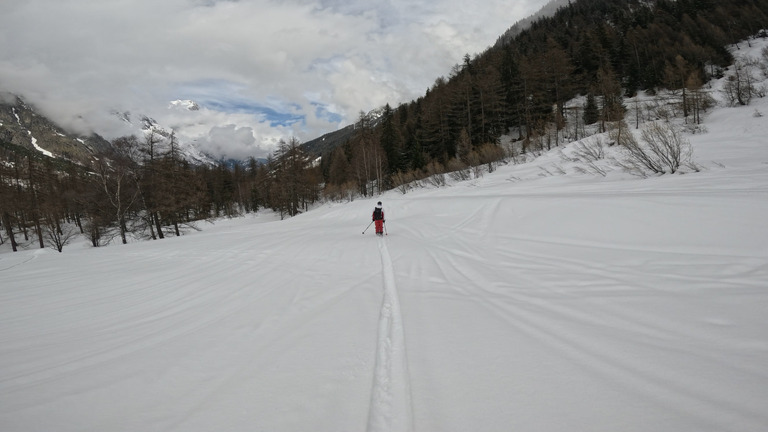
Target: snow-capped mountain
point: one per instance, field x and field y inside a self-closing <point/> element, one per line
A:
<point x="184" y="104"/>
<point x="145" y="126"/>
<point x="23" y="127"/>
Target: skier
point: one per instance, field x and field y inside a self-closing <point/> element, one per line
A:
<point x="378" y="218"/>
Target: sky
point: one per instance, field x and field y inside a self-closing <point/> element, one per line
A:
<point x="261" y="70"/>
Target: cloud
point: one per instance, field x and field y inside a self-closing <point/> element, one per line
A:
<point x="232" y="142"/>
<point x="271" y="69"/>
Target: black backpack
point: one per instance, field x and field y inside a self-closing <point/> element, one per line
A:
<point x="377" y="214"/>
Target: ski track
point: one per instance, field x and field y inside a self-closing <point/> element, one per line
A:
<point x="554" y="323"/>
<point x="390" y="408"/>
<point x="177" y="311"/>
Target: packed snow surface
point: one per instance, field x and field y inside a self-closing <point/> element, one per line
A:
<point x="513" y="302"/>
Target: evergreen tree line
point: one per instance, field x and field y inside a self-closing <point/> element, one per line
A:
<point x="603" y="50"/>
<point x="141" y="189"/>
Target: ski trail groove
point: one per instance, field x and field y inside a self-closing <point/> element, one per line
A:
<point x="390" y="408"/>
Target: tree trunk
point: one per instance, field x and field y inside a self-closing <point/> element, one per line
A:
<point x="22" y="222"/>
<point x="123" y="230"/>
<point x="39" y="230"/>
<point x="9" y="231"/>
<point x="159" y="227"/>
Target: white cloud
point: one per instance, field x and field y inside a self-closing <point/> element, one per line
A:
<point x="250" y="61"/>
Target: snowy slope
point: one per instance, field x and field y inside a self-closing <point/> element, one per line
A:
<point x="511" y="302"/>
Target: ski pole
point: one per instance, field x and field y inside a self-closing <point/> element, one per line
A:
<point x="366" y="228"/>
<point x="385" y="227"/>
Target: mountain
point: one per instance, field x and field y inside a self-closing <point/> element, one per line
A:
<point x="188" y="105"/>
<point x="325" y="143"/>
<point x="329" y="141"/>
<point x="144" y="126"/>
<point x="22" y="127"/>
<point x="547" y="10"/>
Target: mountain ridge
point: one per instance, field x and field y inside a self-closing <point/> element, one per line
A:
<point x="23" y="126"/>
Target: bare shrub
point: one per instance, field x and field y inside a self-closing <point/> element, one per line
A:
<point x="511" y="150"/>
<point x="458" y="170"/>
<point x="474" y="163"/>
<point x="342" y="192"/>
<point x="491" y="155"/>
<point x="693" y="166"/>
<point x="435" y="172"/>
<point x="589" y="151"/>
<point x="664" y="149"/>
<point x="587" y="154"/>
<point x="403" y="181"/>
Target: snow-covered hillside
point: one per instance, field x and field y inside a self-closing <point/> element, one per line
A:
<point x="513" y="302"/>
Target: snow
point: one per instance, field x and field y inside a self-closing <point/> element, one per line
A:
<point x="37" y="147"/>
<point x="390" y="407"/>
<point x="33" y="139"/>
<point x="515" y="301"/>
<point x="188" y="105"/>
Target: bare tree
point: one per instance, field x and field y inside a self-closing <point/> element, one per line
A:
<point x="609" y="87"/>
<point x="147" y="183"/>
<point x="115" y="175"/>
<point x="57" y="236"/>
<point x="739" y="87"/>
<point x="295" y="179"/>
<point x="699" y="100"/>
